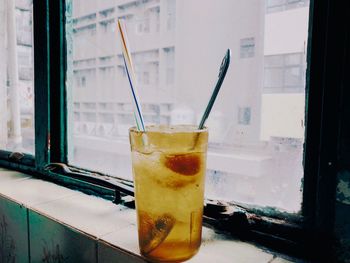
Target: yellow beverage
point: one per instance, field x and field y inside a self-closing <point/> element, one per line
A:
<point x="169" y="164"/>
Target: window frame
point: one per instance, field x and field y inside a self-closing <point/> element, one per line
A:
<point x="299" y="235"/>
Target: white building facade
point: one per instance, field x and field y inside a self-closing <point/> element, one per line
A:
<point x="257" y="123"/>
<point x="16" y="76"/>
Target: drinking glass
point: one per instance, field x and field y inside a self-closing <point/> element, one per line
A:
<point x="169" y="166"/>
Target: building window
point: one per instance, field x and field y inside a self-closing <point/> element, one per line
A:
<point x="169" y="54"/>
<point x="180" y="74"/>
<point x="88" y="128"/>
<point x="83" y="81"/>
<point x="108" y="26"/>
<point x="244" y="115"/>
<point x="247" y="47"/>
<point x="147" y="67"/>
<point x="171" y="15"/>
<point x="284" y="73"/>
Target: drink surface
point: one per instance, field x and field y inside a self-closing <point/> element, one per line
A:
<point x="169" y="173"/>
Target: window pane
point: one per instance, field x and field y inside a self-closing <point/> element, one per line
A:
<point x="274" y="61"/>
<point x="273" y="78"/>
<point x="294" y="59"/>
<point x="16" y="77"/>
<point x="256" y="126"/>
<point x="293" y="77"/>
<point x="284" y="73"/>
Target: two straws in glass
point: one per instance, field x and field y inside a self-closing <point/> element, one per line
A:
<point x="132" y="80"/>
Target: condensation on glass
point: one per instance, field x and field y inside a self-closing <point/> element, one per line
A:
<point x="16" y="76"/>
<point x="257" y="124"/>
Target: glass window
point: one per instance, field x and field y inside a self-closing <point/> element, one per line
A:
<point x="273" y="61"/>
<point x="171" y="15"/>
<point x="255" y="134"/>
<point x="284" y="73"/>
<point x="273" y="78"/>
<point x="294" y="59"/>
<point x="16" y="77"/>
<point x="293" y="77"/>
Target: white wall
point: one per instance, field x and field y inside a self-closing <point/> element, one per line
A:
<point x="204" y="31"/>
<point x="3" y="93"/>
<point x="282" y="115"/>
<point x="286" y="32"/>
<point x="84" y="7"/>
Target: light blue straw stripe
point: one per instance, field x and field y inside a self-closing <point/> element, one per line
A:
<point x="135" y="99"/>
<point x="137" y="123"/>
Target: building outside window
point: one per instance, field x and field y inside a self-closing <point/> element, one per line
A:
<point x="16" y="77"/>
<point x="257" y="125"/>
<point x="174" y="67"/>
<point x="244" y="115"/>
<point x="173" y="73"/>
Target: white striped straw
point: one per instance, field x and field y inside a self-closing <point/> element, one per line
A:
<point x="131" y="75"/>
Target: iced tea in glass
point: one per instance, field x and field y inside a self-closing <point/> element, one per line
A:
<point x="169" y="165"/>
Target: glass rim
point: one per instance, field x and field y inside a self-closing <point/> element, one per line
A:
<point x="194" y="129"/>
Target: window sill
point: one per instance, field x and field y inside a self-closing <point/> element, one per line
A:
<point x="69" y="224"/>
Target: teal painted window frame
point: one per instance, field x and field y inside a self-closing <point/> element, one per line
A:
<point x="300" y="234"/>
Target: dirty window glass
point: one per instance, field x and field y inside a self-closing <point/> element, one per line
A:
<point x="16" y="77"/>
<point x="257" y="124"/>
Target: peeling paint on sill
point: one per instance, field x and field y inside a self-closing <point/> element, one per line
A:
<point x="343" y="187"/>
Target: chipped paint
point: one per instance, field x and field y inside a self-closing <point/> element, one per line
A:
<point x="342" y="250"/>
<point x="52" y="254"/>
<point x="343" y="187"/>
<point x="342" y="217"/>
<point x="7" y="243"/>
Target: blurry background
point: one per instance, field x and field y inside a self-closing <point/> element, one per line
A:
<point x="16" y="76"/>
<point x="257" y="123"/>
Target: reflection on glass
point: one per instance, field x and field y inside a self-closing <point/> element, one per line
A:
<point x="256" y="126"/>
<point x="16" y="77"/>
